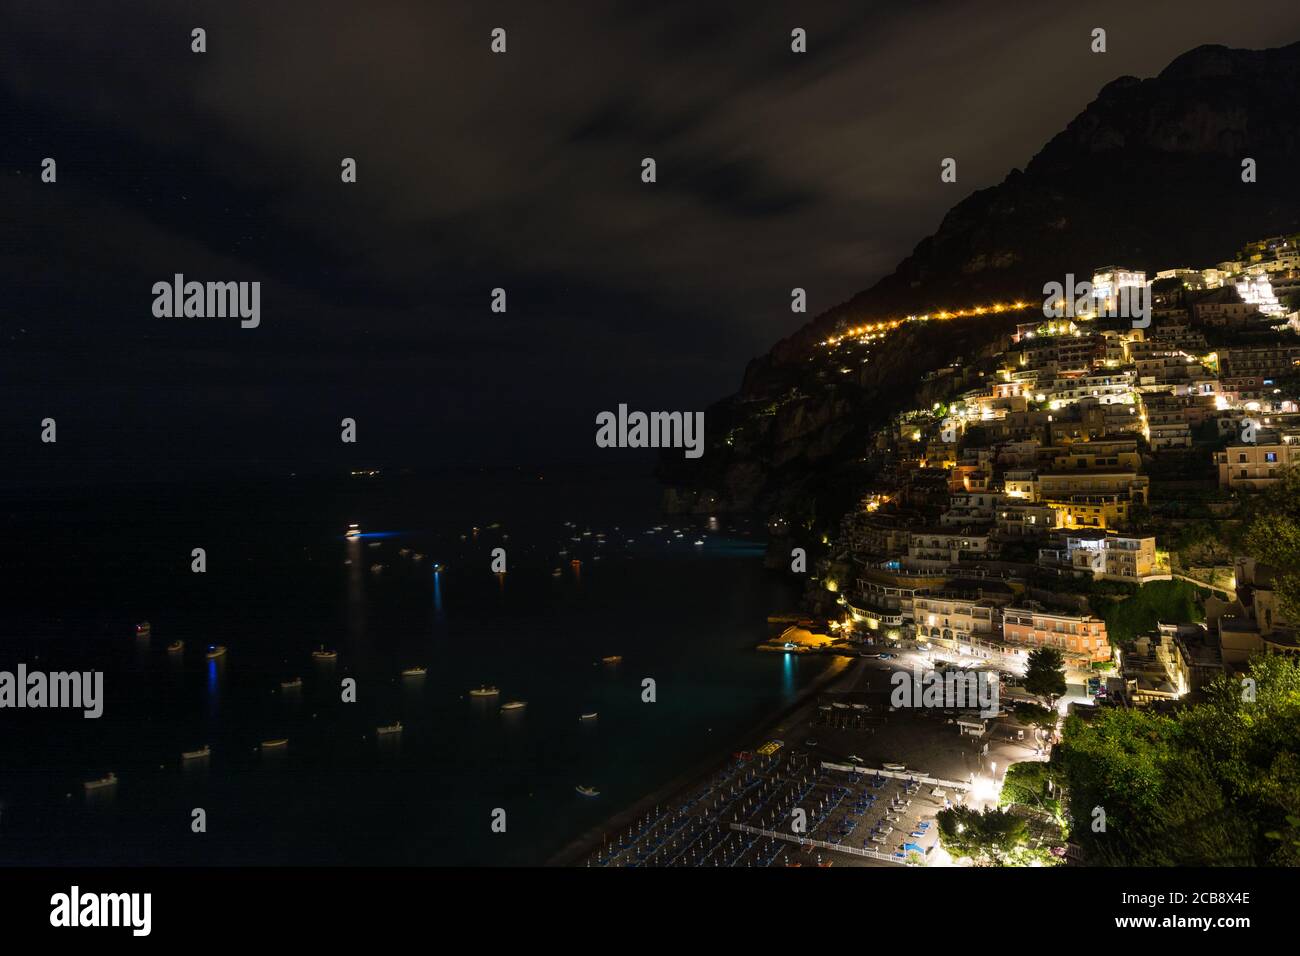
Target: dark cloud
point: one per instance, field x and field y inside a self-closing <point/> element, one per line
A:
<point x="479" y="171"/>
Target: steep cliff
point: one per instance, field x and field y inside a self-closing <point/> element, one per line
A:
<point x="1147" y="176"/>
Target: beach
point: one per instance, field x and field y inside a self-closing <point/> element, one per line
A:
<point x="841" y="671"/>
<point x="841" y="741"/>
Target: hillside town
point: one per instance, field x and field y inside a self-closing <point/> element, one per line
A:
<point x="1101" y="460"/>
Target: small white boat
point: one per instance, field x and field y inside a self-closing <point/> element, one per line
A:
<point x="484" y="691"/>
<point x="591" y="716"/>
<point x="175" y="647"/>
<point x="613" y="659"/>
<point x="588" y="791"/>
<point x="514" y="705"/>
<point x="279" y="743"/>
<point x="324" y="655"/>
<point x="292" y="684"/>
<point x="415" y="672"/>
<point x="894" y="766"/>
<point x="556" y="573"/>
<point x="199" y="754"/>
<point x="143" y="629"/>
<point x="215" y="651"/>
<point x="101" y="783"/>
<point x="390" y="729"/>
<point x="376" y="569"/>
<point x="353" y="531"/>
<point x="699" y="544"/>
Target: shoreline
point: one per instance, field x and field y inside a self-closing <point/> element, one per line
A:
<point x="583" y="846"/>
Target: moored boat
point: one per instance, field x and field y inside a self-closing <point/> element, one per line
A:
<point x="143" y="629"/>
<point x="103" y="782"/>
<point x="415" y="672"/>
<point x="175" y="647"/>
<point x="587" y="791"/>
<point x="323" y="655"/>
<point x="613" y="659"/>
<point x="215" y="651"/>
<point x="590" y="716"/>
<point x="389" y="729"/>
<point x="484" y="691"/>
<point x="294" y="683"/>
<point x="278" y="744"/>
<point x="514" y="705"/>
<point x="199" y="754"/>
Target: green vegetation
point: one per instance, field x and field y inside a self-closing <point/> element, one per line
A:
<point x="1174" y="602"/>
<point x="1202" y="541"/>
<point x="1214" y="784"/>
<point x="992" y="836"/>
<point x="1045" y="674"/>
<point x="1273" y="536"/>
<point x="1033" y="784"/>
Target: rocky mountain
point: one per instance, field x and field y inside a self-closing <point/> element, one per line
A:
<point x="1149" y="175"/>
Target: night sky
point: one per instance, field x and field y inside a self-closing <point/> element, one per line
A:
<point x="478" y="170"/>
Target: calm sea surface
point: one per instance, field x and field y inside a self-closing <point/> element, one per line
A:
<point x="81" y="570"/>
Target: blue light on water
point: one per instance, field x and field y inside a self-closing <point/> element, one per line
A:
<point x="374" y="535"/>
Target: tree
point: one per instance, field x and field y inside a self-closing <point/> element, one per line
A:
<point x="1273" y="537"/>
<point x="1034" y="784"/>
<point x="1045" y="674"/>
<point x="987" y="836"/>
<point x="1211" y="784"/>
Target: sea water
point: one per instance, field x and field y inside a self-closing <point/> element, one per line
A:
<point x="84" y="567"/>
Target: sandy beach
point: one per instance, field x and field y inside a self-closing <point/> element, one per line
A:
<point x="841" y="671"/>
